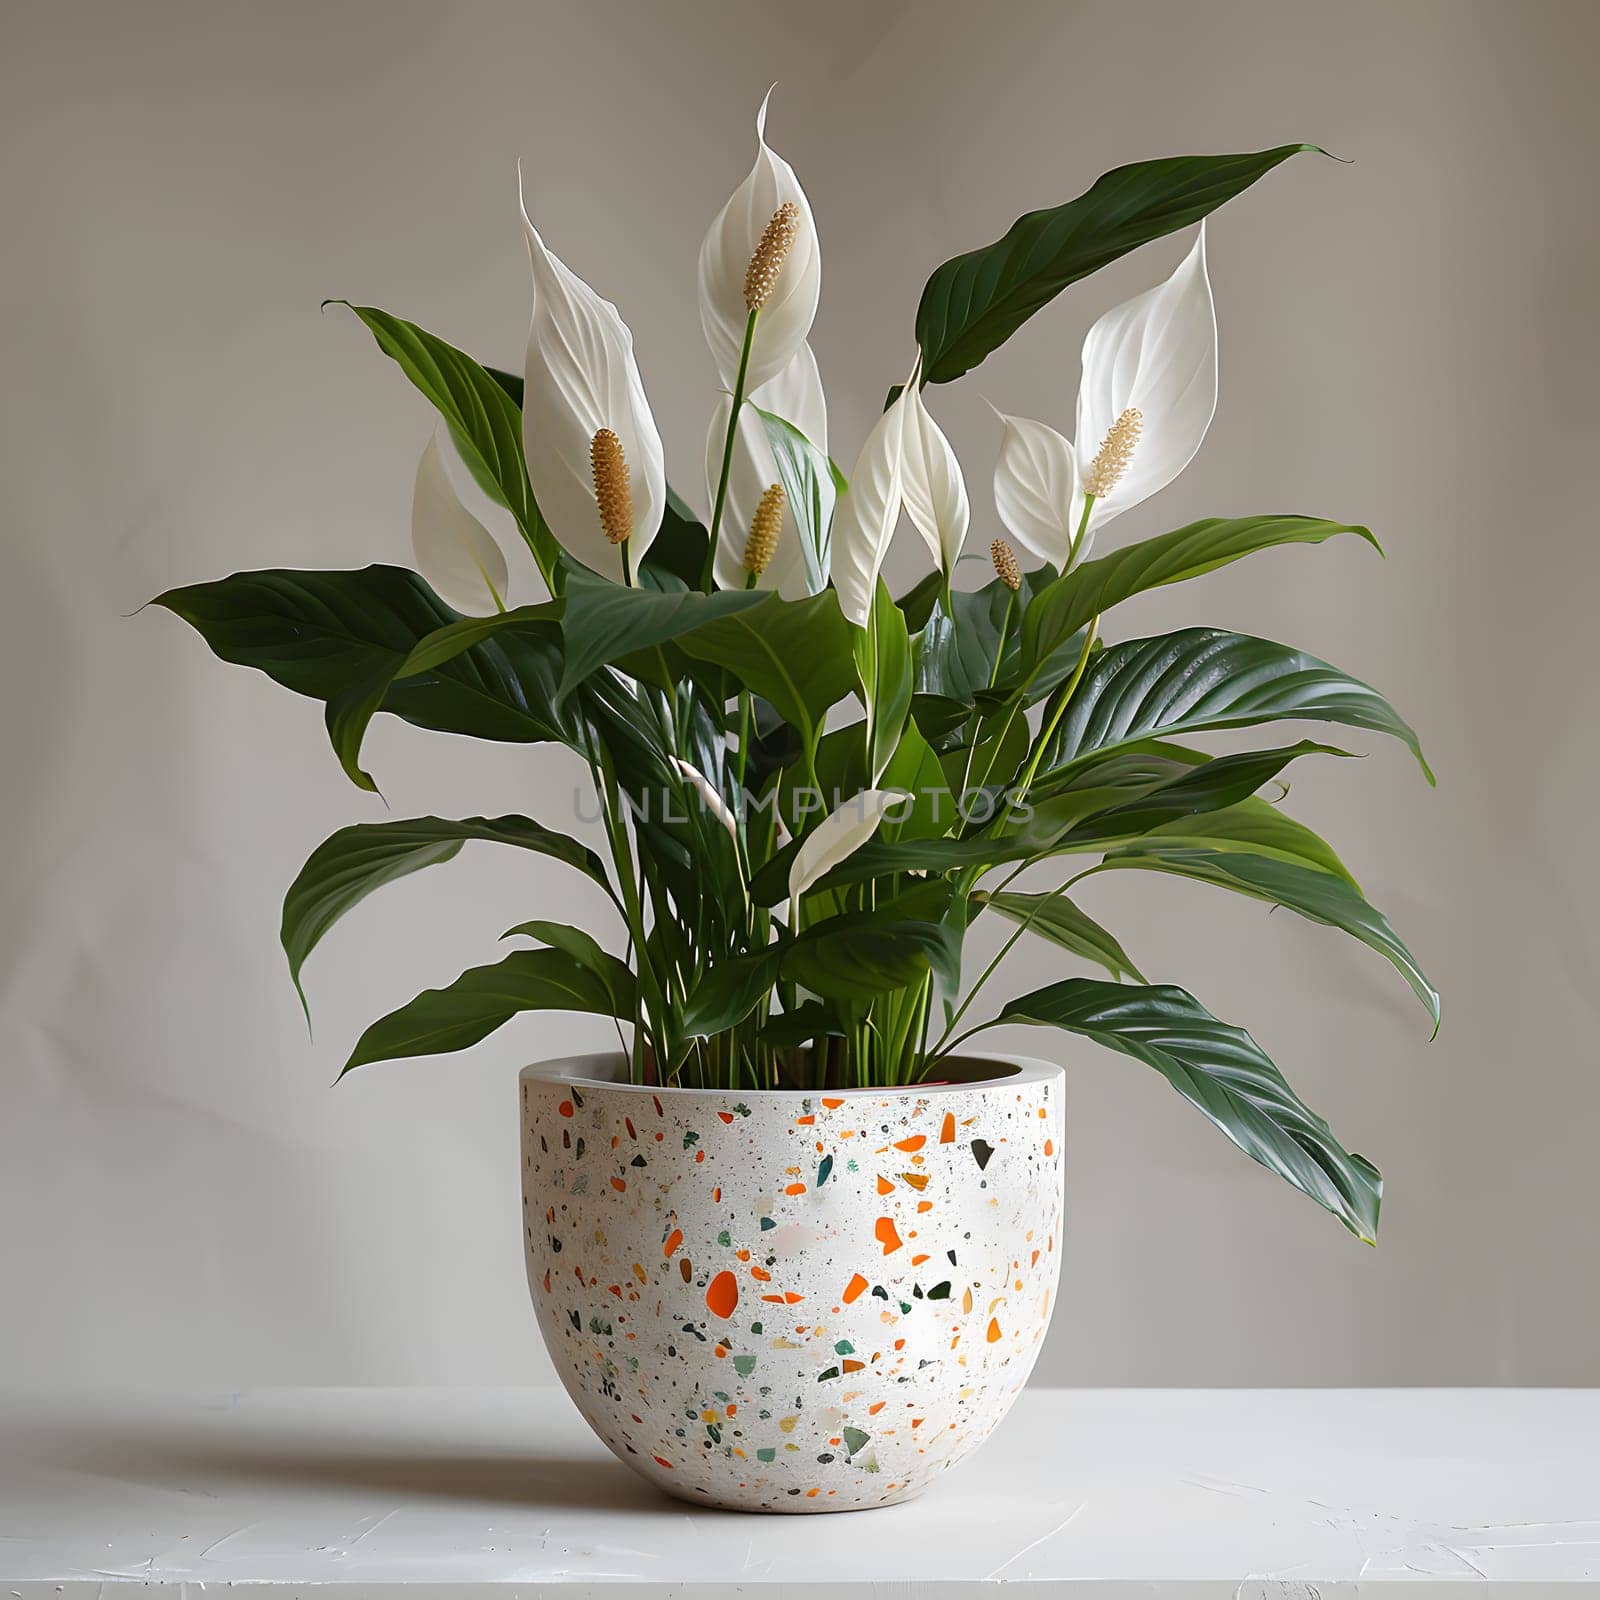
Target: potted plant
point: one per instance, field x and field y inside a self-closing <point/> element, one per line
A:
<point x="793" y="1247"/>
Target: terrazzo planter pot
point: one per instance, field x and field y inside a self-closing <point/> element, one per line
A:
<point x="786" y="1301"/>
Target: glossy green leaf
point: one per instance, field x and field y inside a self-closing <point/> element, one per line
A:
<point x="883" y="670"/>
<point x="439" y="1021"/>
<point x="578" y="944"/>
<point x="795" y="654"/>
<point x="974" y="303"/>
<point x="813" y="1019"/>
<point x="811" y="489"/>
<point x="485" y="422"/>
<point x="1318" y="896"/>
<point x="730" y="991"/>
<point x="1073" y="600"/>
<point x="1203" y="678"/>
<point x="1195" y="790"/>
<point x="1054" y="917"/>
<point x="1253" y="827"/>
<point x="859" y="954"/>
<point x="1225" y="1074"/>
<point x="605" y="622"/>
<point x="326" y="634"/>
<point x="346" y="867"/>
<point x="678" y="551"/>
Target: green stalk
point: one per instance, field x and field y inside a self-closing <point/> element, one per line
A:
<point x="708" y="570"/>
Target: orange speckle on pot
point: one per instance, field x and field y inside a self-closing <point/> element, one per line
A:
<point x="854" y="1288"/>
<point x="886" y="1235"/>
<point x="722" y="1295"/>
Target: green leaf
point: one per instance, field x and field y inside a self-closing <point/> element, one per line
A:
<point x="974" y="303"/>
<point x="730" y="991"/>
<point x="795" y="654"/>
<point x="482" y="998"/>
<point x="485" y="422"/>
<point x="1203" y="678"/>
<point x="859" y="954"/>
<point x="346" y="867"/>
<point x="1061" y="608"/>
<point x="578" y="944"/>
<point x="449" y="641"/>
<point x="811" y="490"/>
<point x="328" y="634"/>
<point x="1209" y="786"/>
<point x="678" y="551"/>
<point x="606" y="621"/>
<point x="1318" y="896"/>
<point x="1223" y="1072"/>
<point x="1054" y="917"/>
<point x="883" y="669"/>
<point x="1253" y="827"/>
<point x="813" y="1019"/>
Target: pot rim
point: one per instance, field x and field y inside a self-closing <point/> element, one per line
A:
<point x="593" y="1071"/>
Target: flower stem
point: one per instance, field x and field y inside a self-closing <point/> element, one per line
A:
<point x="706" y="573"/>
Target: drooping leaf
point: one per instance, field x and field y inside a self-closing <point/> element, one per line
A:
<point x="581" y="946"/>
<point x="1225" y="1074"/>
<point x="1203" y="678"/>
<point x="1054" y="917"/>
<point x="1318" y="896"/>
<point x="795" y="654"/>
<point x="485" y="422"/>
<point x="1061" y="608"/>
<point x="347" y="866"/>
<point x="1207" y="787"/>
<point x="323" y="634"/>
<point x="975" y="302"/>
<point x="483" y="998"/>
<point x="1252" y="827"/>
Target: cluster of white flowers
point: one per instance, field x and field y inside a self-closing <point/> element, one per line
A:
<point x="1145" y="399"/>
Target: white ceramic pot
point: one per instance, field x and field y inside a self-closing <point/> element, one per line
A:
<point x="787" y="1301"/>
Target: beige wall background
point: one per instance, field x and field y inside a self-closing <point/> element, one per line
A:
<point x="1408" y="340"/>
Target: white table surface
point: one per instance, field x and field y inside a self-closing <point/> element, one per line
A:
<point x="1238" y="1494"/>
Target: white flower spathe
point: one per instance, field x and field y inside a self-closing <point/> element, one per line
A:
<point x="840" y="834"/>
<point x="713" y="801"/>
<point x="458" y="556"/>
<point x="1037" y="490"/>
<point x="796" y="396"/>
<point x="1155" y="355"/>
<point x="932" y="484"/>
<point x="580" y="377"/>
<point x="786" y="318"/>
<point x="864" y="519"/>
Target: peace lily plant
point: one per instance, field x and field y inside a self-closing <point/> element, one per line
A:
<point x="810" y="788"/>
